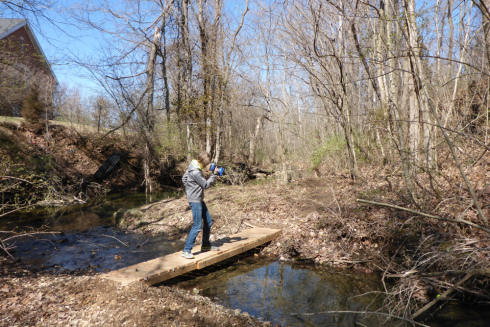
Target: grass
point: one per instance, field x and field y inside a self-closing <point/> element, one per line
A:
<point x="14" y="120"/>
<point x="79" y="127"/>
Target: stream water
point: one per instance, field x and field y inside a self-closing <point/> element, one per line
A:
<point x="88" y="240"/>
<point x="286" y="293"/>
<point x="304" y="294"/>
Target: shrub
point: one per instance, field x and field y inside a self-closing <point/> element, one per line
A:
<point x="32" y="107"/>
<point x="332" y="147"/>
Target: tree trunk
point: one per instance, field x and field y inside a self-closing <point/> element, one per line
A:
<point x="451" y="31"/>
<point x="164" y="72"/>
<point x="392" y="38"/>
<point x="150" y="114"/>
<point x="206" y="111"/>
<point x="253" y="138"/>
<point x="485" y="9"/>
<point x="219" y="133"/>
<point x="189" y="142"/>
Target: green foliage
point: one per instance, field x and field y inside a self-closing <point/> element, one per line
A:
<point x="169" y="141"/>
<point x="134" y="213"/>
<point x="261" y="155"/>
<point x="332" y="147"/>
<point x="34" y="178"/>
<point x="32" y="107"/>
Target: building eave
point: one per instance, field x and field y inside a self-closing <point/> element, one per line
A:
<point x="33" y="38"/>
<point x="39" y="50"/>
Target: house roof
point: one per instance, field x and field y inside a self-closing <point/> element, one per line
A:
<point x="10" y="25"/>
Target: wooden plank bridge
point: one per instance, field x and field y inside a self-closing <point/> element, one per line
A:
<point x="172" y="265"/>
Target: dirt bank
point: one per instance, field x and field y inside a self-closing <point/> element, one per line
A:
<point x="38" y="299"/>
<point x="58" y="165"/>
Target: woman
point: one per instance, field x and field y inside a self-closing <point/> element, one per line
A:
<point x="195" y="184"/>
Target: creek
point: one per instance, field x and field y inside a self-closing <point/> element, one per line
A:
<point x="286" y="293"/>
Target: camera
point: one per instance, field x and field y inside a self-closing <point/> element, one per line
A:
<point x="221" y="170"/>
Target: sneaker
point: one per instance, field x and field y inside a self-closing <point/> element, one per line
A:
<point x="187" y="255"/>
<point x="209" y="248"/>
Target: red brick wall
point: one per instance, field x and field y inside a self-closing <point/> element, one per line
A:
<point x="12" y="45"/>
<point x="14" y="52"/>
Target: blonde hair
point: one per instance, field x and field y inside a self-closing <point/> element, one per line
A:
<point x="204" y="158"/>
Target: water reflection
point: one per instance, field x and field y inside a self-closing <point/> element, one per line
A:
<point x="275" y="291"/>
<point x="88" y="240"/>
<point x="99" y="249"/>
<point x="97" y="212"/>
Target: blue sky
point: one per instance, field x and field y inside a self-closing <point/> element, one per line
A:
<point x="63" y="40"/>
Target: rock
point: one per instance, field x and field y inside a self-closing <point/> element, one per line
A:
<point x="63" y="240"/>
<point x="117" y="257"/>
<point x="321" y="234"/>
<point x="237" y="312"/>
<point x="195" y="291"/>
<point x="260" y="176"/>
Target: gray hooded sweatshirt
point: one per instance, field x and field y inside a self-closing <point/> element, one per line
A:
<point x="195" y="184"/>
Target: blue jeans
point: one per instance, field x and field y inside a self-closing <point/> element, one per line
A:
<point x="200" y="214"/>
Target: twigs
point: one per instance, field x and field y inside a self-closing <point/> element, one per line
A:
<point x="439" y="283"/>
<point x="115" y="239"/>
<point x="239" y="225"/>
<point x="140" y="245"/>
<point x="226" y="218"/>
<point x="361" y="312"/>
<point x="348" y="261"/>
<point x="5" y="247"/>
<point x="481" y="271"/>
<point x="442" y="297"/>
<point x="7" y="213"/>
<point x="387" y="268"/>
<point x="427" y="215"/>
<point x="241" y="221"/>
<point x="20" y="179"/>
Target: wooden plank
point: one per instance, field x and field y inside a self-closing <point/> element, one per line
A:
<point x="243" y="248"/>
<point x="169" y="274"/>
<point x="122" y="278"/>
<point x="172" y="265"/>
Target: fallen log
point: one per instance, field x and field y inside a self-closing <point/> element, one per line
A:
<point x="481" y="271"/>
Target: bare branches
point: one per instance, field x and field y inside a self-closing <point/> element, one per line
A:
<point x="20" y="208"/>
<point x="427" y="215"/>
<point x="3" y="241"/>
<point x="362" y="312"/>
<point x="20" y="179"/>
<point x="442" y="297"/>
